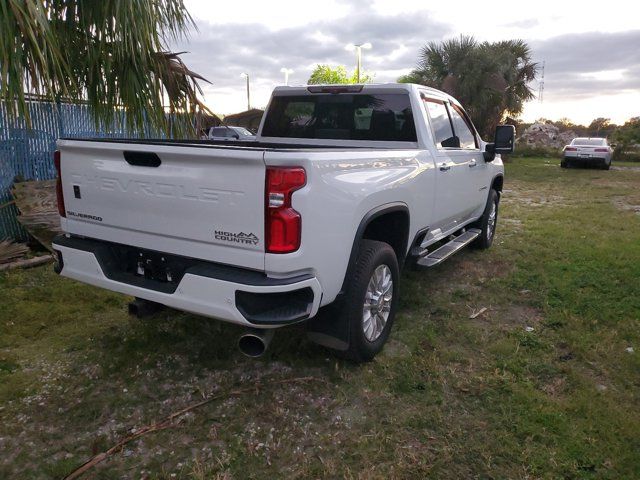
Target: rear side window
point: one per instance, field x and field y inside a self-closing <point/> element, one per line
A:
<point x="451" y="126"/>
<point x="376" y="117"/>
<point x="441" y="124"/>
<point x="222" y="132"/>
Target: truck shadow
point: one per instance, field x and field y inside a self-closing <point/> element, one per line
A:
<point x="199" y="341"/>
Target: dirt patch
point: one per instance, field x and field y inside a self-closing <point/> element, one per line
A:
<point x="555" y="387"/>
<point x="474" y="271"/>
<point x="107" y="408"/>
<point x="623" y="204"/>
<point x="521" y="315"/>
<point x="625" y="169"/>
<point x="533" y="198"/>
<point x="396" y="349"/>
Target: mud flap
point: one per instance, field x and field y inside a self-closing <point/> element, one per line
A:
<point x="329" y="328"/>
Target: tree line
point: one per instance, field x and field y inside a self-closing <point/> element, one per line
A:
<point x="491" y="79"/>
<point x="625" y="137"/>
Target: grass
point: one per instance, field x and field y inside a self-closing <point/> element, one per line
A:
<point x="539" y="386"/>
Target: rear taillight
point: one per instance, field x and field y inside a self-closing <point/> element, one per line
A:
<point x="283" y="225"/>
<point x="59" y="197"/>
<point x="601" y="150"/>
<point x="570" y="149"/>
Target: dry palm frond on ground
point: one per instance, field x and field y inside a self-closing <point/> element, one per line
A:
<point x="10" y="251"/>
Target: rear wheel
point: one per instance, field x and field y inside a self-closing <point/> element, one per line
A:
<point x="487" y="224"/>
<point x="563" y="164"/>
<point x="371" y="300"/>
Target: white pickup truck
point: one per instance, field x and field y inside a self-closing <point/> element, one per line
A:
<point x="311" y="222"/>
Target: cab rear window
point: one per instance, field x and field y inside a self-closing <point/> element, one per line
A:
<point x="377" y="117"/>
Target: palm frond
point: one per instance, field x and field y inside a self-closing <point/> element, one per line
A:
<point x="112" y="54"/>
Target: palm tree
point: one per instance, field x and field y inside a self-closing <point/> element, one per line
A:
<point x="112" y="54"/>
<point x="490" y="79"/>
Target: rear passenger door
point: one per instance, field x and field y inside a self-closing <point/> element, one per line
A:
<point x="468" y="154"/>
<point x="453" y="180"/>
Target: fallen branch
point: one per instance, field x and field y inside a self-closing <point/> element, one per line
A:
<point x="30" y="262"/>
<point x="167" y="422"/>
<point x="478" y="313"/>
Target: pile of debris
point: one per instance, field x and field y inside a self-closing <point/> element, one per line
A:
<point x="546" y="135"/>
<point x="36" y="201"/>
<point x="10" y="251"/>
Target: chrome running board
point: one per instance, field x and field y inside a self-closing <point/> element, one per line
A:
<point x="445" y="251"/>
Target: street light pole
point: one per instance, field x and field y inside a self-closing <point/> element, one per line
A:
<point x="358" y="48"/>
<point x="246" y="75"/>
<point x="286" y="72"/>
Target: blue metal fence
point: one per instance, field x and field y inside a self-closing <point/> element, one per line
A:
<point x="27" y="153"/>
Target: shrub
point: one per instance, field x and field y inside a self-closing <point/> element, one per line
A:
<point x="536" y="151"/>
<point x="629" y="154"/>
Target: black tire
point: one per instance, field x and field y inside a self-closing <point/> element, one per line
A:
<point x="371" y="255"/>
<point x="485" y="240"/>
<point x="606" y="166"/>
<point x="563" y="164"/>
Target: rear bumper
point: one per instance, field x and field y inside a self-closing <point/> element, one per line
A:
<point x="586" y="160"/>
<point x="226" y="293"/>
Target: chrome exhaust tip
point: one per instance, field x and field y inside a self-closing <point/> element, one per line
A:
<point x="254" y="342"/>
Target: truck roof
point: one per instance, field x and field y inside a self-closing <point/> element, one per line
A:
<point x="361" y="87"/>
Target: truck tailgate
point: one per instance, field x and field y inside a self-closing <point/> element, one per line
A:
<point x="200" y="202"/>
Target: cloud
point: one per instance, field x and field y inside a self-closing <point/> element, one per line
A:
<point x="528" y="23"/>
<point x="587" y="64"/>
<point x="220" y="52"/>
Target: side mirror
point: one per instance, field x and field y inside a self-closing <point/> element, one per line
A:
<point x="503" y="142"/>
<point x="504" y="139"/>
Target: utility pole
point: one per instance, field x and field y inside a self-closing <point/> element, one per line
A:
<point x="541" y="88"/>
<point x="246" y="75"/>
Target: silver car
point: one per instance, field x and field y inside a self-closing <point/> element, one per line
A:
<point x="587" y="151"/>
<point x="225" y="132"/>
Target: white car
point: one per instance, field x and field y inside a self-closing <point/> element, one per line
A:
<point x="312" y="222"/>
<point x="225" y="132"/>
<point x="587" y="151"/>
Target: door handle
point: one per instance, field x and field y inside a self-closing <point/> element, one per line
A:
<point x="472" y="163"/>
<point x="444" y="167"/>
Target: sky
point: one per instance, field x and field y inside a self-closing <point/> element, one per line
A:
<point x="591" y="54"/>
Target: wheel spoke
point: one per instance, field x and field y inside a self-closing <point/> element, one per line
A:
<point x="377" y="302"/>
